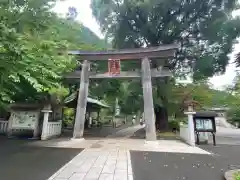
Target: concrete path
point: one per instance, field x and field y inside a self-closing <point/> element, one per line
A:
<point x="136" y="159"/>
<point x="129" y="144"/>
<point x="227" y="136"/>
<point x="126" y="132"/>
<point x="110" y="158"/>
<point x="95" y="164"/>
<point x="228" y="132"/>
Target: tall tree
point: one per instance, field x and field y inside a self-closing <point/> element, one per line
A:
<point x="31" y="38"/>
<point x="205" y="31"/>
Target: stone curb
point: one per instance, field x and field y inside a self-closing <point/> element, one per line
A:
<point x="229" y="175"/>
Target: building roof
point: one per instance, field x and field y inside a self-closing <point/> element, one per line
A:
<point x="74" y="95"/>
<point x="205" y="114"/>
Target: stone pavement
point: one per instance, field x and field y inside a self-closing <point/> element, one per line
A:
<point x="96" y="164"/>
<point x="129" y="144"/>
<point x="109" y="158"/>
<point x="126" y="132"/>
<point x="106" y="159"/>
<point x="228" y="136"/>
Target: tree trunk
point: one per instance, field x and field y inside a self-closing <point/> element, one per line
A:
<point x="161" y="118"/>
<point x="163" y="123"/>
<point x="161" y="112"/>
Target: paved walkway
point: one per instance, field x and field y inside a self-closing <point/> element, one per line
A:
<point x="95" y="164"/>
<point x="129" y="144"/>
<point x="126" y="132"/>
<point x="109" y="159"/>
<point x="228" y="132"/>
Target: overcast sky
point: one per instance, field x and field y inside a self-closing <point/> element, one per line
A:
<point x="85" y="16"/>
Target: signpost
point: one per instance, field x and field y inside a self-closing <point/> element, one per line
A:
<point x="204" y="122"/>
<point x="114" y="66"/>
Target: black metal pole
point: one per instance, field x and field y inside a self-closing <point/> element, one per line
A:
<point x="214" y="139"/>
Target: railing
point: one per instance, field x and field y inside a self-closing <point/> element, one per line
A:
<point x="53" y="129"/>
<point x="3" y="126"/>
<point x="184" y="135"/>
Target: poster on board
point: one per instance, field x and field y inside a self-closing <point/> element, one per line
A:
<point x="24" y="119"/>
<point x="204" y="124"/>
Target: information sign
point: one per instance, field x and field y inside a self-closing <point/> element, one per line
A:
<point x="114" y="67"/>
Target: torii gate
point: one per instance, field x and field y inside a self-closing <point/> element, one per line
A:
<point x="146" y="73"/>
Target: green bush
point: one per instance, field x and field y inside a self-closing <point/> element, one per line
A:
<point x="174" y="124"/>
<point x="67" y="122"/>
<point x="237" y="176"/>
<point x="234" y="115"/>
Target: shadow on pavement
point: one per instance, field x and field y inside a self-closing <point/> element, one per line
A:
<point x="19" y="161"/>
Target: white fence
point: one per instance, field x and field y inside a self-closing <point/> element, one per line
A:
<point x="3" y="126"/>
<point x="184" y="135"/>
<point x="53" y="129"/>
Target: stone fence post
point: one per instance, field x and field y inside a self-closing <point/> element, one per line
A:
<point x="46" y="110"/>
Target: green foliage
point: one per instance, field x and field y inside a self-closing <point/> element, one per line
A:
<point x="205" y="31"/>
<point x="237" y="176"/>
<point x="31" y="39"/>
<point x="174" y="124"/>
<point x="234" y="101"/>
<point x="68" y="114"/>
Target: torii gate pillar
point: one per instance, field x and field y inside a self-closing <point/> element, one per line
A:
<point x="82" y="101"/>
<point x="148" y="101"/>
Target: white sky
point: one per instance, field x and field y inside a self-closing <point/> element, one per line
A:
<point x="85" y="16"/>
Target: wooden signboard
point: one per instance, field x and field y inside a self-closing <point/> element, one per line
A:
<point x="205" y="122"/>
<point x="114" y="67"/>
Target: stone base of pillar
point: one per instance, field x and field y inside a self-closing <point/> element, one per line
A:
<point x="77" y="135"/>
<point x="151" y="143"/>
<point x="191" y="143"/>
<point x="43" y="138"/>
<point x="9" y="133"/>
<point x="77" y="139"/>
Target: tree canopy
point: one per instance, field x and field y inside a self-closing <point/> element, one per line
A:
<point x="205" y="31"/>
<point x="32" y="37"/>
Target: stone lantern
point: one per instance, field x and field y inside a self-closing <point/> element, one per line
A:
<point x="190" y="106"/>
